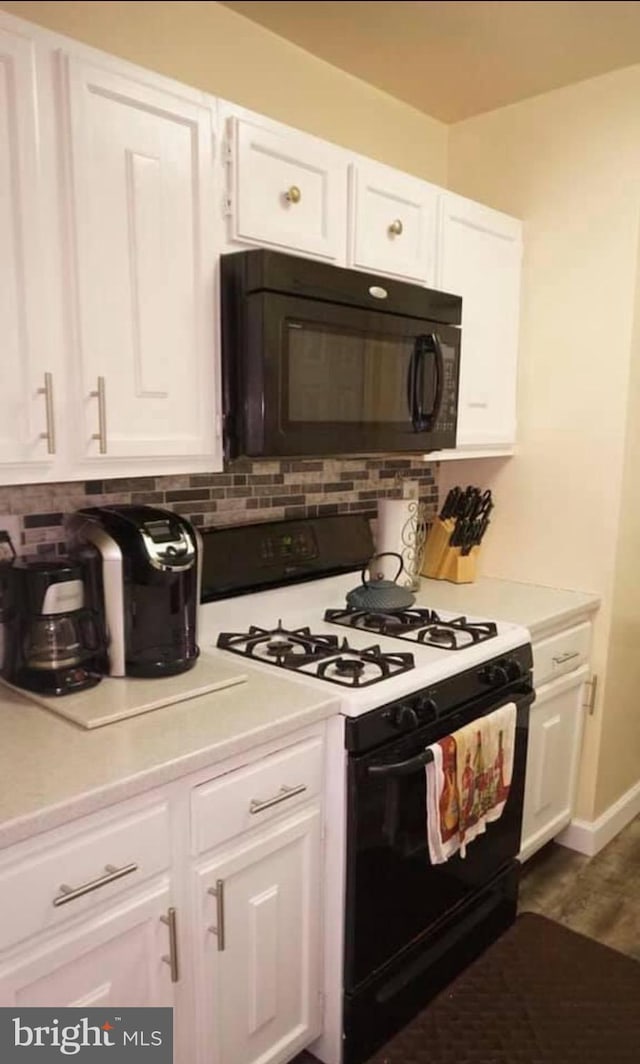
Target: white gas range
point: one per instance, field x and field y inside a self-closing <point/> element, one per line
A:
<point x="378" y="659"/>
<point x="403" y="680"/>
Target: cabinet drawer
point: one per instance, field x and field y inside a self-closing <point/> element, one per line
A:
<point x="254" y="795"/>
<point x="561" y="653"/>
<point x="43" y="888"/>
<point x="286" y="190"/>
<point x="393" y="223"/>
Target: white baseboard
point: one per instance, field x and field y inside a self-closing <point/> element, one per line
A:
<point x="590" y="836"/>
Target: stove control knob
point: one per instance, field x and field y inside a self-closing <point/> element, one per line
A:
<point x="427" y="708"/>
<point x="513" y="668"/>
<point x="405" y="718"/>
<point x="495" y="675"/>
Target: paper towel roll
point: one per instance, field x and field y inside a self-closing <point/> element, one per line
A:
<point x="400" y="529"/>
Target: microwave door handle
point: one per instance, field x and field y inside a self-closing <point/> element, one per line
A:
<point x="402" y="768"/>
<point x="412" y="390"/>
<point x="429" y="420"/>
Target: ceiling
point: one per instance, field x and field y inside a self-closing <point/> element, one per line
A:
<point x="453" y="60"/>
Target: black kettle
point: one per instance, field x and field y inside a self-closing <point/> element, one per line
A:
<point x="378" y="595"/>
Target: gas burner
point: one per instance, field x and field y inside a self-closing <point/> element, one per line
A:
<point x="418" y="626"/>
<point x="278" y="644"/>
<point x="316" y="655"/>
<point x="457" y="634"/>
<point x="349" y="666"/>
<point x="384" y="622"/>
<point x="359" y="668"/>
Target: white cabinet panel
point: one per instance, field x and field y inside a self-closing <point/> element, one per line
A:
<point x="141" y="165"/>
<point x="286" y="190"/>
<point x="393" y="223"/>
<point x="114" y="960"/>
<point x="479" y="258"/>
<point x="555" y="734"/>
<point x="23" y="169"/>
<point x="259" y="986"/>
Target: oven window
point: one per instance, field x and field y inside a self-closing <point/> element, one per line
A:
<point x="336" y="375"/>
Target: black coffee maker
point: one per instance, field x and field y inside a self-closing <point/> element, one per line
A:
<point x="56" y="645"/>
<point x="144" y="565"/>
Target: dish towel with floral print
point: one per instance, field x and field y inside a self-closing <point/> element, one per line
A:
<point x="468" y="782"/>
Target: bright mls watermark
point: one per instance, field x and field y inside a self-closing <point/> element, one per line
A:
<point x="38" y="1036"/>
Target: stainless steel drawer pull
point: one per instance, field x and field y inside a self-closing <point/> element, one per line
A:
<point x="396" y="228"/>
<point x="111" y="874"/>
<point x="257" y="806"/>
<point x="172" y="958"/>
<point x="568" y="656"/>
<point x="50" y="434"/>
<point x="218" y="894"/>
<point x="101" y="434"/>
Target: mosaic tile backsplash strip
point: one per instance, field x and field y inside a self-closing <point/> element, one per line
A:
<point x="245" y="493"/>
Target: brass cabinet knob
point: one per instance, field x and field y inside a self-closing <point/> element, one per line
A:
<point x="293" y="194"/>
<point x="396" y="228"/>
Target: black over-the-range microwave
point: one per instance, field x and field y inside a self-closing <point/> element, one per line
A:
<point x="321" y="360"/>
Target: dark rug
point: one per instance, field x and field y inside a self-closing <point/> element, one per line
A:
<point x="541" y="994"/>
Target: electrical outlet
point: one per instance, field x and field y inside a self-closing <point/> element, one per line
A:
<point x="11" y="524"/>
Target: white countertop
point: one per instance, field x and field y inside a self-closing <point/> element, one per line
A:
<point x="52" y="771"/>
<point x="542" y="610"/>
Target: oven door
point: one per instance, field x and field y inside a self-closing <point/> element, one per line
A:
<point x="394" y="893"/>
<point x="323" y="378"/>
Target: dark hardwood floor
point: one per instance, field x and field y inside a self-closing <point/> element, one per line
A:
<point x="597" y="896"/>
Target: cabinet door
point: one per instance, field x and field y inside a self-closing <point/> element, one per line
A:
<point x="393" y="223"/>
<point x="141" y="217"/>
<point x="24" y="167"/>
<point x="259" y="983"/>
<point x="286" y="190"/>
<point x="112" y="959"/>
<point x="555" y="733"/>
<point x="479" y="258"/>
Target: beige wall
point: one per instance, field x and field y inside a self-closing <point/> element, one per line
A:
<point x="619" y="758"/>
<point x="210" y="47"/>
<point x="568" y="163"/>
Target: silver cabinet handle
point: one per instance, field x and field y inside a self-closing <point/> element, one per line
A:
<point x="50" y="434"/>
<point x="293" y="194"/>
<point x="218" y="930"/>
<point x="101" y="434"/>
<point x="593" y="685"/>
<point x="568" y="656"/>
<point x="396" y="228"/>
<point x="111" y="873"/>
<point x="258" y="806"/>
<point x="172" y="958"/>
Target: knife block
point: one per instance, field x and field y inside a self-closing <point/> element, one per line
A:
<point x="442" y="562"/>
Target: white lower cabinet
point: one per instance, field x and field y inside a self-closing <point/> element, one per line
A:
<point x="258" y="945"/>
<point x="555" y="734"/>
<point x="114" y="958"/>
<point x="144" y="904"/>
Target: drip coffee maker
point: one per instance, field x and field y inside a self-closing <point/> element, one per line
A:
<point x="58" y="648"/>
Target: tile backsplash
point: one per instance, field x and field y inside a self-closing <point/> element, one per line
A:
<point x="247" y="492"/>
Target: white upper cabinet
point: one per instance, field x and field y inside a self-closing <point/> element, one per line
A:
<point x="392" y="223"/>
<point x="285" y="189"/>
<point x="479" y="258"/>
<point x="27" y="416"/>
<point x="140" y="223"/>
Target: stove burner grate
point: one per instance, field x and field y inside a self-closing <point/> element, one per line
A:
<point x="417" y="625"/>
<point x="316" y="655"/>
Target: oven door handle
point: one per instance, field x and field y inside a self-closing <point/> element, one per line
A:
<point x="402" y="768"/>
<point x="524" y="696"/>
